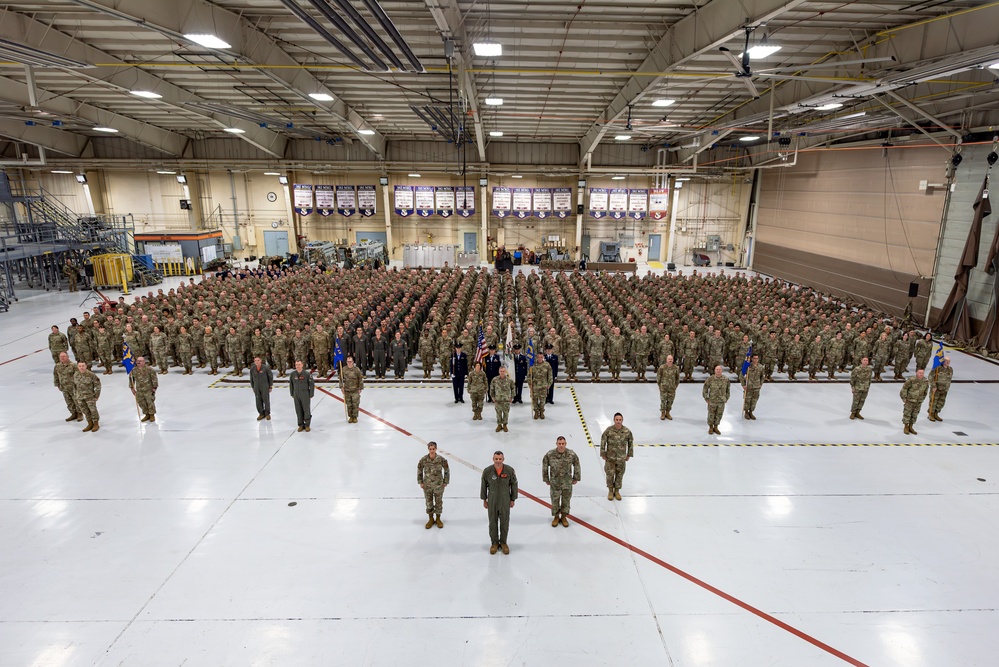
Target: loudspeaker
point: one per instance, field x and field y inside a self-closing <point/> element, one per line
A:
<point x="913" y="290"/>
<point x="670" y="266"/>
<point x="579" y="209"/>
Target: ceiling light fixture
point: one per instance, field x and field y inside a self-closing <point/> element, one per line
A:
<point x="272" y="173"/>
<point x="321" y="97"/>
<point x="622" y="137"/>
<point x="147" y="94"/>
<point x="208" y="41"/>
<point x="234" y="130"/>
<point x="81" y="179"/>
<point x="617" y="178"/>
<point x="495" y="133"/>
<point x="515" y="176"/>
<point x="415" y="176"/>
<point x="366" y="132"/>
<point x="61" y="171"/>
<point x="28" y="55"/>
<point x="683" y="178"/>
<point x="994" y="65"/>
<point x="664" y="102"/>
<point x="829" y="107"/>
<point x="750" y="138"/>
<point x="494" y="101"/>
<point x="855" y="115"/>
<point x="166" y="173"/>
<point x="488" y="49"/>
<point x="109" y="130"/>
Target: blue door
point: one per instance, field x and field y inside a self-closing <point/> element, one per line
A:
<point x="276" y="244"/>
<point x="471" y="242"/>
<point x="655" y="241"/>
<point x="372" y="236"/>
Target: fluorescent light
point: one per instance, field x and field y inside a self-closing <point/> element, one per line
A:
<point x="515" y="176"/>
<point x="994" y="65"/>
<point x="855" y="115"/>
<point x="488" y="49"/>
<point x="365" y="131"/>
<point x="109" y="130"/>
<point x="494" y="101"/>
<point x="148" y="94"/>
<point x="61" y="171"/>
<point x="271" y="173"/>
<point x="762" y="51"/>
<point x="622" y="137"/>
<point x="749" y="138"/>
<point x="414" y="176"/>
<point x="663" y="102"/>
<point x="684" y="178"/>
<point x="208" y="41"/>
<point x="166" y="173"/>
<point x="495" y="133"/>
<point x="829" y="107"/>
<point x="322" y="97"/>
<point x="617" y="178"/>
<point x="233" y="130"/>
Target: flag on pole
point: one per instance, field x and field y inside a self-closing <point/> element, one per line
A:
<point x="530" y="352"/>
<point x="126" y="358"/>
<point x="508" y="351"/>
<point x="480" y="351"/>
<point x="938" y="356"/>
<point x="748" y="360"/>
<point x="338" y="356"/>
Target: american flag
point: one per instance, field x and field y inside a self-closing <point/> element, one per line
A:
<point x="481" y="352"/>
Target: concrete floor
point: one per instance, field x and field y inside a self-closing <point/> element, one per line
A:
<point x="175" y="542"/>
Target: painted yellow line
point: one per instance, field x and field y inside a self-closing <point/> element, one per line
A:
<point x="582" y="420"/>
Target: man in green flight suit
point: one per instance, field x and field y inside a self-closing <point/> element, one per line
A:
<point x="498" y="493"/>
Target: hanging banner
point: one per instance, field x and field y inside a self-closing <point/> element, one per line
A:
<point x="303" y="199"/>
<point x="542" y="203"/>
<point x="423" y="201"/>
<point x="562" y="202"/>
<point x="465" y="205"/>
<point x="445" y="201"/>
<point x="658" y="203"/>
<point x="325" y="200"/>
<point x="366" y="200"/>
<point x="618" y="203"/>
<point x="522" y="202"/>
<point x="501" y="202"/>
<point x="346" y="200"/>
<point x="598" y="202"/>
<point x="404" y="200"/>
<point x="638" y="204"/>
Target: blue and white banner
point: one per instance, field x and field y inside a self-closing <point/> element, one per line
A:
<point x="465" y="204"/>
<point x="638" y="204"/>
<point x="562" y="202"/>
<point x="404" y="200"/>
<point x="522" y="203"/>
<point x="542" y="203"/>
<point x="501" y="201"/>
<point x="346" y="200"/>
<point x="445" y="200"/>
<point x="423" y="200"/>
<point x="618" y="203"/>
<point x="598" y="203"/>
<point x="367" y="200"/>
<point x="303" y="199"/>
<point x="658" y="203"/>
<point x="325" y="204"/>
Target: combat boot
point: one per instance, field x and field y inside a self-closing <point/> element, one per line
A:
<point x="860" y="416"/>
<point x="936" y="416"/>
<point x="499" y="427"/>
<point x="97" y="427"/>
<point x="662" y="416"/>
<point x="906" y="430"/>
<point x="152" y="418"/>
<point x="790" y="376"/>
<point x="912" y="431"/>
<point x="430" y="520"/>
<point x="877" y="377"/>
<point x="752" y="416"/>
<point x="493" y="549"/>
<point x="79" y="416"/>
<point x="610" y="494"/>
<point x="505" y="548"/>
<point x="145" y="418"/>
<point x="617" y="494"/>
<point x="542" y="414"/>
<point x="505" y="429"/>
<point x="440" y="524"/>
<point x="853" y="415"/>
<point x="89" y="427"/>
<point x="535" y="414"/>
<point x="555" y="521"/>
<point x="565" y="521"/>
<point x="669" y="416"/>
<point x="72" y="417"/>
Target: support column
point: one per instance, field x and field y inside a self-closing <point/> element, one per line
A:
<point x="671" y="186"/>
<point x="484" y="224"/>
<point x="579" y="223"/>
<point x="749" y="240"/>
<point x="192" y="192"/>
<point x="388" y="219"/>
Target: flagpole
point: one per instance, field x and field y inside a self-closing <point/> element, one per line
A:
<point x="340" y="375"/>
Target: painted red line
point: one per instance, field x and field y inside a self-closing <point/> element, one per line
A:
<point x="708" y="587"/>
<point x="370" y="414"/>
<point x="4" y="363"/>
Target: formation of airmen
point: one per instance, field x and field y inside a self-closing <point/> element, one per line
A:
<point x="370" y="320"/>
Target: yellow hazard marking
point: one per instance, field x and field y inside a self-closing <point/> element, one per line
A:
<point x="582" y="420"/>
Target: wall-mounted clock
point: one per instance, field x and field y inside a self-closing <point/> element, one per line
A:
<point x="271" y="196"/>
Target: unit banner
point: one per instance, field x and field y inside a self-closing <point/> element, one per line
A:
<point x="522" y="202"/>
<point x="325" y="200"/>
<point x="658" y="203"/>
<point x="465" y="205"/>
<point x="618" y="203"/>
<point x="562" y="202"/>
<point x="346" y="200"/>
<point x="404" y="200"/>
<point x="367" y="200"/>
<point x="445" y="201"/>
<point x="598" y="202"/>
<point x="501" y="201"/>
<point x="542" y="203"/>
<point x="638" y="204"/>
<point x="303" y="199"/>
<point x="423" y="201"/>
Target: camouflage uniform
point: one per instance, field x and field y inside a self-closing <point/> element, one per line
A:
<point x="560" y="472"/>
<point x="234" y="348"/>
<point x="105" y="350"/>
<point x="641" y="345"/>
<point x="941" y="379"/>
<point x="834" y="355"/>
<point x="321" y="348"/>
<point x="84" y="348"/>
<point x="185" y="350"/>
<point x="211" y="345"/>
<point x="58" y="343"/>
<point x="688" y="349"/>
<point x="144" y="381"/>
<point x="62" y="377"/>
<point x="572" y="345"/>
<point x="617" y="445"/>
<point x="793" y="356"/>
<point x="860" y="384"/>
<point x="539" y="378"/>
<point x="923" y="351"/>
<point x="353" y="383"/>
<point x="879" y="356"/>
<point x="595" y="358"/>
<point x="751" y="382"/>
<point x="667" y="377"/>
<point x="913" y="394"/>
<point x="432" y="474"/>
<point x="428" y="354"/>
<point x="279" y="352"/>
<point x="714" y="353"/>
<point x="716" y="393"/>
<point x="86" y="391"/>
<point x="477" y="386"/>
<point x="617" y="349"/>
<point x="444" y="350"/>
<point x="302" y="346"/>
<point x="903" y="354"/>
<point x="501" y="390"/>
<point x="158" y="347"/>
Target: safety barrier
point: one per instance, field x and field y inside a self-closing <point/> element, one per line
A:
<point x="112" y="270"/>
<point x="184" y="267"/>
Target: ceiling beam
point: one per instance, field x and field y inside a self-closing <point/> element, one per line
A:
<point x="176" y="18"/>
<point x="119" y="75"/>
<point x="49" y="138"/>
<point x="703" y="30"/>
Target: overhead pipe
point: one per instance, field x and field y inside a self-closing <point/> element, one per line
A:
<point x="393" y="32"/>
<point x="345" y="28"/>
<point x="295" y="9"/>
<point x="356" y="17"/>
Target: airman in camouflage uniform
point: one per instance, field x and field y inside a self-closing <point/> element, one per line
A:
<point x="428" y="352"/>
<point x="185" y="350"/>
<point x="158" y="346"/>
<point x="793" y="356"/>
<point x="501" y="390"/>
<point x="751" y="382"/>
<point x="234" y="348"/>
<point x="815" y="356"/>
<point x="143" y="383"/>
<point x="834" y="354"/>
<point x="279" y="350"/>
<point x="768" y="353"/>
<point x="941" y="379"/>
<point x="665" y="348"/>
<point x="617" y="446"/>
<point x="641" y="346"/>
<point x="879" y="357"/>
<point x="572" y="346"/>
<point x="714" y="350"/>
<point x="84" y="346"/>
<point x="595" y="356"/>
<point x="62" y="377"/>
<point x="259" y="346"/>
<point x="924" y="350"/>
<point x="904" y="348"/>
<point x="444" y="349"/>
<point x="302" y="346"/>
<point x="105" y="349"/>
<point x="321" y="349"/>
<point x="617" y="350"/>
<point x="560" y="471"/>
<point x="668" y="378"/>
<point x="353" y="385"/>
<point x="433" y="475"/>
<point x="539" y="378"/>
<point x="913" y="394"/>
<point x="860" y="384"/>
<point x="58" y="343"/>
<point x="86" y="391"/>
<point x="715" y="393"/>
<point x="688" y="353"/>
<point x="211" y="344"/>
<point x="478" y="384"/>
